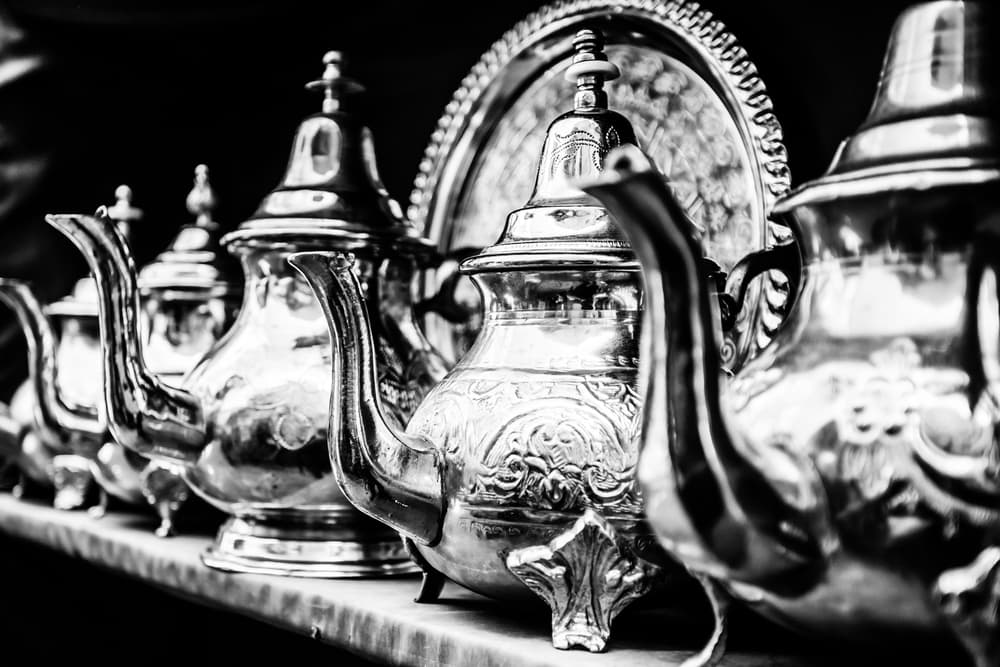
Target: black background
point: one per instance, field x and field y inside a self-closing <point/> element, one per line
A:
<point x="142" y="94"/>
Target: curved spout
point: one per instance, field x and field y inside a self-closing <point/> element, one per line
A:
<point x="143" y="413"/>
<point x="55" y="417"/>
<point x="389" y="475"/>
<point x="732" y="508"/>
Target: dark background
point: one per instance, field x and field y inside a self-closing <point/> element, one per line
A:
<point x="140" y="92"/>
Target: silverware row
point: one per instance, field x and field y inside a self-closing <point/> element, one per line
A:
<point x="807" y="427"/>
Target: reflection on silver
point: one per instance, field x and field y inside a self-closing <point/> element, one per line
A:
<point x="249" y="423"/>
<point x="699" y="110"/>
<point x="853" y="462"/>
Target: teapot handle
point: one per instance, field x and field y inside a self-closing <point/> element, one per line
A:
<point x="977" y="471"/>
<point x="784" y="258"/>
<point x="444" y="302"/>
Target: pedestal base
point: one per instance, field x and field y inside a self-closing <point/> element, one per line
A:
<point x="259" y="547"/>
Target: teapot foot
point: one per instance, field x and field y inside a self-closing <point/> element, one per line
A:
<point x="21" y="487"/>
<point x="165" y="490"/>
<point x="73" y="481"/>
<point x="293" y="547"/>
<point x="432" y="581"/>
<point x="101" y="508"/>
<point x="715" y="648"/>
<point x="969" y="598"/>
<point x="586" y="575"/>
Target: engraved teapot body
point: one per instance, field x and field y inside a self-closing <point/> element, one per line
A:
<point x="526" y="449"/>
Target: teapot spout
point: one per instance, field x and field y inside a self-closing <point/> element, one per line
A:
<point x="385" y="473"/>
<point x="54" y="416"/>
<point x="744" y="526"/>
<point x="142" y="413"/>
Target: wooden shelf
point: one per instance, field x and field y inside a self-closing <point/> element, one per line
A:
<point x="376" y="619"/>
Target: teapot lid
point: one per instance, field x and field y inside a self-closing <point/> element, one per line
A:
<point x="83" y="300"/>
<point x="194" y="260"/>
<point x="935" y="120"/>
<point x="332" y="193"/>
<point x="560" y="225"/>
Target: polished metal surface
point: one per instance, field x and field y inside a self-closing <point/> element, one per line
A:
<point x="536" y="424"/>
<point x="698" y="107"/>
<point x="845" y="481"/>
<point x="61" y="394"/>
<point x="249" y="423"/>
<point x="190" y="295"/>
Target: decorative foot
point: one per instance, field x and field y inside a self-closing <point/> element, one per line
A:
<point x="586" y="575"/>
<point x="101" y="508"/>
<point x="166" y="491"/>
<point x="969" y="597"/>
<point x="432" y="582"/>
<point x="72" y="479"/>
<point x="715" y="648"/>
<point x="20" y="488"/>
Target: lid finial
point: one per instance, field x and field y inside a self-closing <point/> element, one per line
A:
<point x="122" y="210"/>
<point x="201" y="199"/>
<point x="333" y="83"/>
<point x="590" y="69"/>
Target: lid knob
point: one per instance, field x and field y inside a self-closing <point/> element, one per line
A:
<point x="201" y="199"/>
<point x="590" y="69"/>
<point x="333" y="83"/>
<point x="122" y="210"/>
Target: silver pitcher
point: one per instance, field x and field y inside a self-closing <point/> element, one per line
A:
<point x="847" y="481"/>
<point x="515" y="474"/>
<point x="249" y="423"/>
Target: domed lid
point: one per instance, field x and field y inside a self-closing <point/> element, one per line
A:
<point x="934" y="121"/>
<point x="82" y="301"/>
<point x="194" y="260"/>
<point x="331" y="193"/>
<point x="560" y="225"/>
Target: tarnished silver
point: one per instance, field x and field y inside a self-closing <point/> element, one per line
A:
<point x="249" y="423"/>
<point x="851" y="469"/>
<point x="699" y="109"/>
<point x="537" y="423"/>
<point x="190" y="295"/>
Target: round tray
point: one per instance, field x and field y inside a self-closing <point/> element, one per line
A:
<point x="699" y="110"/>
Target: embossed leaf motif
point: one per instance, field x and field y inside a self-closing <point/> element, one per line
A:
<point x="556" y="457"/>
<point x="586" y="576"/>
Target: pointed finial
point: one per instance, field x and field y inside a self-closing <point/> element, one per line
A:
<point x="590" y="69"/>
<point x="122" y="210"/>
<point x="333" y="83"/>
<point x="201" y="199"/>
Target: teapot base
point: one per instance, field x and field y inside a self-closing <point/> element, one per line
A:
<point x="252" y="545"/>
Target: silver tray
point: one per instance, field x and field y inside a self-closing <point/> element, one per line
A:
<point x="699" y="110"/>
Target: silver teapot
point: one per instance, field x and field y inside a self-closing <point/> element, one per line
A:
<point x="515" y="474"/>
<point x="190" y="295"/>
<point x="846" y="481"/>
<point x="249" y="421"/>
<point x="58" y="409"/>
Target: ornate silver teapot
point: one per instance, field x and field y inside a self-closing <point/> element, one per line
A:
<point x="59" y="407"/>
<point x="249" y="423"/>
<point x="190" y="295"/>
<point x="516" y="472"/>
<point x="66" y="429"/>
<point x="847" y="480"/>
